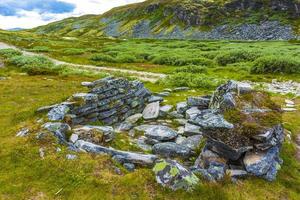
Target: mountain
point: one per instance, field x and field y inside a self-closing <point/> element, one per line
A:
<point x="189" y="19"/>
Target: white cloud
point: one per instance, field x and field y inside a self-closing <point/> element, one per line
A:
<point x="30" y="19"/>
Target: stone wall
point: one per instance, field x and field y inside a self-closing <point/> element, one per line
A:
<point x="109" y="101"/>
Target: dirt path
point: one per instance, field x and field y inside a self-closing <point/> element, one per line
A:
<point x="144" y="76"/>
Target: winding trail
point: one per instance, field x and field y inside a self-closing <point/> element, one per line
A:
<point x="142" y="75"/>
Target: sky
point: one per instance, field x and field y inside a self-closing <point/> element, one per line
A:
<point x="32" y="13"/>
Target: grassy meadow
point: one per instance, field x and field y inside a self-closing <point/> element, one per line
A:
<point x="202" y="65"/>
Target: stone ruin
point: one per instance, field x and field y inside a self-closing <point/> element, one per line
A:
<point x="240" y="130"/>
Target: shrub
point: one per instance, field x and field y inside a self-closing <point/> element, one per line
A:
<point x="192" y="69"/>
<point x="126" y="58"/>
<point x="40" y="49"/>
<point x="103" y="58"/>
<point x="181" y="61"/>
<point x="73" y="51"/>
<point x="191" y="80"/>
<point x="236" y="56"/>
<point x="8" y="53"/>
<point x="275" y="64"/>
<point x="35" y="65"/>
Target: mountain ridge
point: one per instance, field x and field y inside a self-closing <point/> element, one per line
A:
<point x="188" y="19"/>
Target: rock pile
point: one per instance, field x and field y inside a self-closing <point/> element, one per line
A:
<point x="109" y="101"/>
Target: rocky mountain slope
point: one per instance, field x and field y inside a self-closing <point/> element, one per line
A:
<point x="189" y="19"/>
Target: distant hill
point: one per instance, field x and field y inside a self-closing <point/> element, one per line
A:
<point x="15" y="29"/>
<point x="189" y="19"/>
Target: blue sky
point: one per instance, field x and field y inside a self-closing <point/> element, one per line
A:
<point x="32" y="13"/>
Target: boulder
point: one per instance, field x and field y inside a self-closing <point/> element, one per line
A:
<point x="95" y="134"/>
<point x="171" y="174"/>
<point x="263" y="163"/>
<point x="58" y="112"/>
<point x="151" y="111"/>
<point x="192" y="142"/>
<point x="161" y="133"/>
<point x="58" y="129"/>
<point x="171" y="150"/>
<point x="211" y="120"/>
<point x="192" y="112"/>
<point x="200" y="102"/>
<point x="164" y="110"/>
<point x="134" y="118"/>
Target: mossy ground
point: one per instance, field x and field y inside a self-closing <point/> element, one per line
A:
<point x="24" y="175"/>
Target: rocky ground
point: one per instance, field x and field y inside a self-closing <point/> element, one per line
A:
<point x="173" y="136"/>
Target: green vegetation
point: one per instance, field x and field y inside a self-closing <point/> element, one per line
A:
<point x="236" y="56"/>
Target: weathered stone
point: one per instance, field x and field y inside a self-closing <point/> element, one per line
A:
<point x="236" y="173"/>
<point x="151" y="111"/>
<point x="71" y="157"/>
<point x="164" y="110"/>
<point x="170" y="174"/>
<point x="129" y="166"/>
<point x="143" y="128"/>
<point x="95" y="134"/>
<point x="24" y="132"/>
<point x="181" y="107"/>
<point x="127" y="157"/>
<point x="141" y="143"/>
<point x="124" y="126"/>
<point x="180" y="130"/>
<point x="74" y="138"/>
<point x="58" y="112"/>
<point x="192" y="112"/>
<point x="191" y="129"/>
<point x="180" y="89"/>
<point x="179" y="139"/>
<point x="180" y="121"/>
<point x="175" y="115"/>
<point x="200" y="102"/>
<point x="58" y="129"/>
<point x="155" y="99"/>
<point x="161" y="133"/>
<point x="163" y="94"/>
<point x="263" y="163"/>
<point x="171" y="149"/>
<point x="211" y="120"/>
<point x="192" y="142"/>
<point x="134" y="118"/>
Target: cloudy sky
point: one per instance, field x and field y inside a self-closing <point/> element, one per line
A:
<point x="32" y="13"/>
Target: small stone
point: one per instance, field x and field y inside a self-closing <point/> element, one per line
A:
<point x="131" y="133"/>
<point x="42" y="152"/>
<point x="192" y="142"/>
<point x="180" y="139"/>
<point x="163" y="94"/>
<point x="117" y="170"/>
<point x="24" y="132"/>
<point x="191" y="129"/>
<point x="129" y="167"/>
<point x="164" y="110"/>
<point x="192" y="112"/>
<point x="289" y="109"/>
<point x="161" y="133"/>
<point x="58" y="112"/>
<point x="140" y="142"/>
<point x="287" y="101"/>
<point x="155" y="99"/>
<point x="74" y="138"/>
<point x="181" y="107"/>
<point x="200" y="102"/>
<point x="134" y="118"/>
<point x="235" y="173"/>
<point x="180" y="130"/>
<point x="168" y="90"/>
<point x="178" y="89"/>
<point x="180" y="121"/>
<point x="71" y="157"/>
<point x="151" y="111"/>
<point x="124" y="126"/>
<point x="175" y="115"/>
<point x="171" y="150"/>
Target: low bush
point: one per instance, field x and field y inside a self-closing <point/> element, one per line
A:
<point x="126" y="58"/>
<point x="191" y="80"/>
<point x="236" y="56"/>
<point x="35" y="65"/>
<point x="181" y="61"/>
<point x="40" y="49"/>
<point x="8" y="53"/>
<point x="73" y="51"/>
<point x="102" y="58"/>
<point x="192" y="69"/>
<point x="275" y="64"/>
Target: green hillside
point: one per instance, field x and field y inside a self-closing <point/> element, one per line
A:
<point x="182" y="19"/>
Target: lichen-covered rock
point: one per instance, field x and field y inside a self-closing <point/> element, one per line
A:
<point x="171" y="150"/>
<point x="95" y="134"/>
<point x="151" y="111"/>
<point x="164" y="110"/>
<point x="134" y="118"/>
<point x="264" y="163"/>
<point x="191" y="142"/>
<point x="192" y="112"/>
<point x="161" y="133"/>
<point x="58" y="112"/>
<point x="191" y="129"/>
<point x="181" y="107"/>
<point x="58" y="129"/>
<point x="170" y="174"/>
<point x="200" y="102"/>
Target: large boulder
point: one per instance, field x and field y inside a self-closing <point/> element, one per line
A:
<point x="170" y="174"/>
<point x="171" y="150"/>
<point x="161" y="133"/>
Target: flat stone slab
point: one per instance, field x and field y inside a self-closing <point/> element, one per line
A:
<point x="155" y="98"/>
<point x="192" y="112"/>
<point x="151" y="111"/>
<point x="161" y="133"/>
<point x="134" y="118"/>
<point x="171" y="150"/>
<point x="191" y="129"/>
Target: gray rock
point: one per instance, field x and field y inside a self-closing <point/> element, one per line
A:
<point x="180" y="121"/>
<point x="170" y="174"/>
<point x="164" y="110"/>
<point x="151" y="111"/>
<point x="58" y="112"/>
<point x="180" y="130"/>
<point x="200" y="102"/>
<point x="263" y="164"/>
<point x="141" y="143"/>
<point x="192" y="142"/>
<point x="58" y="129"/>
<point x="96" y="134"/>
<point x="134" y="118"/>
<point x="243" y="88"/>
<point x="168" y="90"/>
<point x="163" y="94"/>
<point x="129" y="167"/>
<point x="74" y="138"/>
<point x="175" y="115"/>
<point x="191" y="129"/>
<point x="42" y="152"/>
<point x="143" y="128"/>
<point x="211" y="120"/>
<point x="161" y="133"/>
<point x="155" y="99"/>
<point x="2" y="78"/>
<point x="24" y="132"/>
<point x="71" y="157"/>
<point x="124" y="126"/>
<point x="171" y="150"/>
<point x="181" y="107"/>
<point x="236" y="173"/>
<point x="192" y="112"/>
